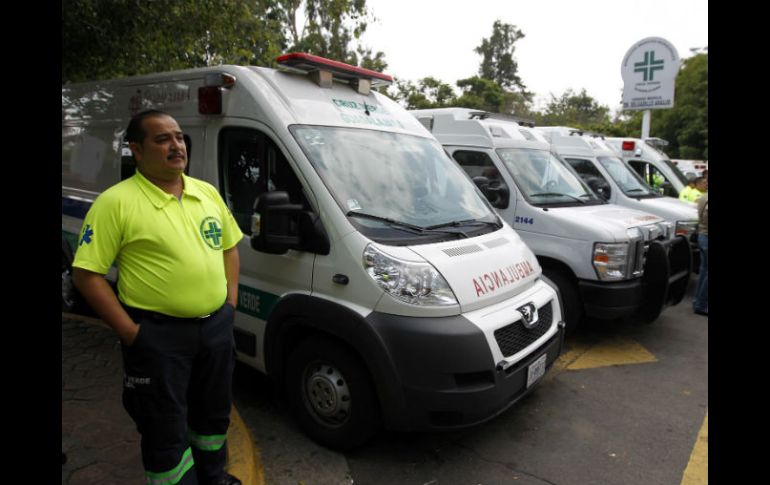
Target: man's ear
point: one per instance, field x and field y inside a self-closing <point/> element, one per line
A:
<point x="136" y="150"/>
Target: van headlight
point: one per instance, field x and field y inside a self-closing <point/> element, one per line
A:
<point x="611" y="261"/>
<point x="417" y="283"/>
<point x="686" y="228"/>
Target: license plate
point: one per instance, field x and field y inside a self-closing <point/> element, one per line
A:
<point x="536" y="370"/>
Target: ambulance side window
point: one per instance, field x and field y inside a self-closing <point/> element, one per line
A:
<point x="653" y="177"/>
<point x="250" y="164"/>
<point x="478" y="164"/>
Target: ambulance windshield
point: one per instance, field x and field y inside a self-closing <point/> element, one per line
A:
<point x="629" y="181"/>
<point x="392" y="182"/>
<point x="544" y="179"/>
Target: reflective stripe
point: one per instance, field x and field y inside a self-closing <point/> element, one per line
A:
<point x="206" y="443"/>
<point x="174" y="475"/>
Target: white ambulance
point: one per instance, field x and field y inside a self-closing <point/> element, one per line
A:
<point x="376" y="284"/>
<point x="608" y="261"/>
<point x="602" y="167"/>
<point x="649" y="161"/>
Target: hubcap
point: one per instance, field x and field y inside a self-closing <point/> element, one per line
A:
<point x="327" y="394"/>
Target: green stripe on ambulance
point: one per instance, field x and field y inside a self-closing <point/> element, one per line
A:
<point x="254" y="302"/>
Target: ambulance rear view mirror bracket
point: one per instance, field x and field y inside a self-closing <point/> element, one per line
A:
<point x="278" y="225"/>
<point x="497" y="194"/>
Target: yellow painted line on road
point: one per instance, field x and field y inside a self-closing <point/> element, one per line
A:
<point x="613" y="351"/>
<point x="243" y="458"/>
<point x="697" y="471"/>
<point x="609" y="352"/>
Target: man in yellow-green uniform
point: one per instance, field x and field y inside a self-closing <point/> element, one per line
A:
<point x="174" y="242"/>
<point x="694" y="190"/>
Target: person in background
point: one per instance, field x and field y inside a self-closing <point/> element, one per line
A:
<point x="700" y="304"/>
<point x="694" y="190"/>
<point x="174" y="242"/>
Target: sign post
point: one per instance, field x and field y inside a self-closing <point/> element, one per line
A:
<point x="649" y="72"/>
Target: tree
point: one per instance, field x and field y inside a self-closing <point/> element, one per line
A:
<point x="487" y="95"/>
<point x="427" y="93"/>
<point x="574" y="109"/>
<point x="498" y="63"/>
<point x="328" y="30"/>
<point x="104" y="39"/>
<point x="685" y="126"/>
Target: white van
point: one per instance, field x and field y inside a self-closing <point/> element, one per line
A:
<point x="608" y="261"/>
<point x="601" y="166"/>
<point x="650" y="162"/>
<point x="376" y="284"/>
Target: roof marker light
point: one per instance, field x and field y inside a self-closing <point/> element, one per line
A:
<point x="324" y="69"/>
<point x="210" y="94"/>
<point x="628" y="145"/>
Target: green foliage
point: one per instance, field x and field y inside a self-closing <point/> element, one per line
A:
<point x="497" y="53"/>
<point x="685" y="126"/>
<point x="427" y="93"/>
<point x="488" y="95"/>
<point x="104" y="39"/>
<point x="329" y="26"/>
<point x="574" y="109"/>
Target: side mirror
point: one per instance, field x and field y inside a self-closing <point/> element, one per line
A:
<point x="497" y="194"/>
<point x="600" y="186"/>
<point x="277" y="225"/>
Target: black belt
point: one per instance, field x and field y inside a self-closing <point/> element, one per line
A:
<point x="139" y="313"/>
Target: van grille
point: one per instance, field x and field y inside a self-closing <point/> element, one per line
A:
<point x="514" y="338"/>
<point x="638" y="252"/>
<point x="461" y="250"/>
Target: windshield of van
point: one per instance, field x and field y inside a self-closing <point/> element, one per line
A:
<point x="627" y="179"/>
<point x="544" y="180"/>
<point x="396" y="188"/>
<point x="682" y="178"/>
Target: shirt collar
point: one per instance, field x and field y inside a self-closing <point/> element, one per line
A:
<point x="158" y="197"/>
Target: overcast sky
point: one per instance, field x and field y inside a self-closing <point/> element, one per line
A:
<point x="567" y="44"/>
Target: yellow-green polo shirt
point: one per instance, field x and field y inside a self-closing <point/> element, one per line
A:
<point x="169" y="253"/>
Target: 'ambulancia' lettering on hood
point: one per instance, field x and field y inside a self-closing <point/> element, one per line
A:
<point x="495" y="280"/>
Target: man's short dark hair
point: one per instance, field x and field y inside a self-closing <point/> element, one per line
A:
<point x="135" y="133"/>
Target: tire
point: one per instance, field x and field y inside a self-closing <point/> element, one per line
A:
<point x="571" y="306"/>
<point x="331" y="394"/>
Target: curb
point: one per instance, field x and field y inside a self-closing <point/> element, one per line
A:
<point x="243" y="458"/>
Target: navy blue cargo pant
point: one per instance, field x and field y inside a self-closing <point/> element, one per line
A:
<point x="177" y="389"/>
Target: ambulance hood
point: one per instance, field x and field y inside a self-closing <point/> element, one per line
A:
<point x="605" y="223"/>
<point x="484" y="270"/>
<point x="671" y="209"/>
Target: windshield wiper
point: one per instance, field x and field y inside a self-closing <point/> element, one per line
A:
<point x="551" y="194"/>
<point x="414" y="229"/>
<point x="466" y="222"/>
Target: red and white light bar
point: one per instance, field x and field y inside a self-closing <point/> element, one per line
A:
<point x="310" y="63"/>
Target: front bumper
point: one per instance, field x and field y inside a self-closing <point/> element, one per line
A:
<point x="448" y="375"/>
<point x="667" y="270"/>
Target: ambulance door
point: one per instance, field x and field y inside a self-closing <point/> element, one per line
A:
<point x="250" y="164"/>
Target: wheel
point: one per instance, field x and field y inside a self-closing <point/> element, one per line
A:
<point x="571" y="306"/>
<point x="331" y="394"/>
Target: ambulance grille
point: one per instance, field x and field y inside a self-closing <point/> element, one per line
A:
<point x="514" y="338"/>
<point x="496" y="243"/>
<point x="462" y="250"/>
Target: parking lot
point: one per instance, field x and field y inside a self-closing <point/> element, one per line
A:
<point x="625" y="404"/>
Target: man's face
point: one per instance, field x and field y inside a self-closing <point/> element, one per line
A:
<point x="162" y="154"/>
